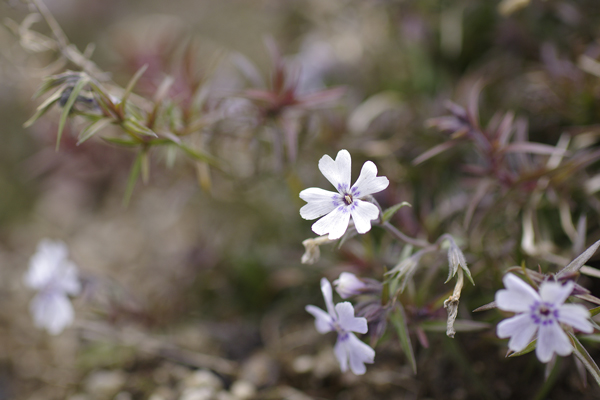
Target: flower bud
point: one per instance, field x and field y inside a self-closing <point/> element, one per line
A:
<point x="348" y="285"/>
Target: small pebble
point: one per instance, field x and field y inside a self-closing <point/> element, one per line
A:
<point x="260" y="369"/>
<point x="162" y="393"/>
<point x="204" y="393"/>
<point x="224" y="395"/>
<point x="105" y="384"/>
<point x="79" y="396"/>
<point x="243" y="390"/>
<point x="123" y="396"/>
<point x="203" y="378"/>
<point x="303" y="364"/>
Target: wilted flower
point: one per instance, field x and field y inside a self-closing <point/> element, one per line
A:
<point x="312" y="251"/>
<point x="540" y="313"/>
<point x="338" y="207"/>
<point x="55" y="277"/>
<point x="348" y="349"/>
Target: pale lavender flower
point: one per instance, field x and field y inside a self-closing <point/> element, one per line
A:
<point x="54" y="276"/>
<point x="540" y="313"/>
<point x="338" y="207"/>
<point x="348" y="349"/>
<point x="348" y="285"/>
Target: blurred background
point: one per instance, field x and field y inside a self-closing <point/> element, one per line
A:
<point x="195" y="288"/>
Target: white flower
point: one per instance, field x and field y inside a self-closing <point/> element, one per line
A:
<point x="55" y="277"/>
<point x="540" y="313"/>
<point x="348" y="349"/>
<point x="340" y="206"/>
<point x="348" y="285"/>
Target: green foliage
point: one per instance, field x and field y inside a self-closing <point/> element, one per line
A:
<point x="398" y="318"/>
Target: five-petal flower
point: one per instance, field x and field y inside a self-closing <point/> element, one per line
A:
<point x="540" y="313"/>
<point x="55" y="277"/>
<point x="348" y="349"/>
<point x="338" y="207"/>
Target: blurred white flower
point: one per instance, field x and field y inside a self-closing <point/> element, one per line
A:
<point x="54" y="276"/>
<point x="340" y="206"/>
<point x="348" y="349"/>
<point x="540" y="313"/>
<point x="348" y="285"/>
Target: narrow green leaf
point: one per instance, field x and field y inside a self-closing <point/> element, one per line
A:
<point x="595" y="324"/>
<point x="134" y="127"/>
<point x="67" y="108"/>
<point x="467" y="272"/>
<point x="104" y="99"/>
<point x="594" y="311"/>
<point x="385" y="291"/>
<point x="528" y="349"/>
<point x="121" y="142"/>
<point x="171" y="156"/>
<point x="198" y="155"/>
<point x="145" y="167"/>
<point x="131" y="85"/>
<point x="389" y="213"/>
<point x="133" y="177"/>
<point x="581" y="353"/>
<point x="486" y="307"/>
<point x="550" y="375"/>
<point x="399" y="321"/>
<point x="43" y="108"/>
<point x="160" y="142"/>
<point x="91" y="129"/>
<point x="52" y="82"/>
<point x="588" y="297"/>
<point x="579" y="261"/>
<point x="595" y="337"/>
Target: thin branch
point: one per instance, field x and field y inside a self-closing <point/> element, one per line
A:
<point x="401" y="236"/>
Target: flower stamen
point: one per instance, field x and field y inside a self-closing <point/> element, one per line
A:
<point x="544" y="310"/>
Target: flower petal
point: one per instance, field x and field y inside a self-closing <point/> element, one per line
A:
<point x="52" y="311"/>
<point x="552" y="339"/>
<point x="341" y="353"/>
<point x="517" y="296"/>
<point x="519" y="328"/>
<point x="335" y="223"/>
<point x="363" y="213"/>
<point x="337" y="172"/>
<point x="556" y="293"/>
<point x="367" y="182"/>
<point x="320" y="202"/>
<point x="576" y="316"/>
<point x="45" y="262"/>
<point x="328" y="296"/>
<point x="359" y="353"/>
<point x="323" y="321"/>
<point x="68" y="281"/>
<point x="348" y="321"/>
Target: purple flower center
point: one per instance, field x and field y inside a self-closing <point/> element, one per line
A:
<point x="335" y="325"/>
<point x="347" y="196"/>
<point x="543" y="313"/>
